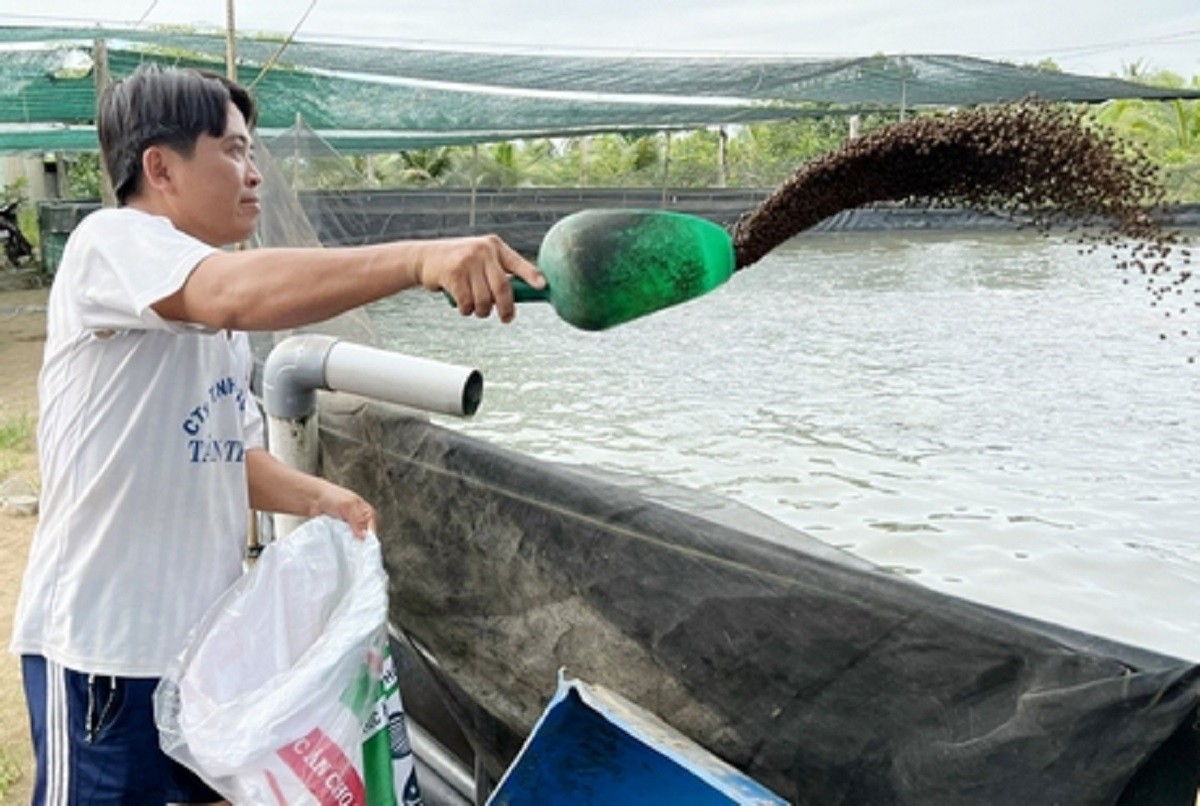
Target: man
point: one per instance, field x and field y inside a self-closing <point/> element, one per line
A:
<point x="150" y="446"/>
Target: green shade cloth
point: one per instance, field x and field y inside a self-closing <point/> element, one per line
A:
<point x="365" y="99"/>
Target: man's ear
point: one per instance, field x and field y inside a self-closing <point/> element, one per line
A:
<point x="157" y="165"/>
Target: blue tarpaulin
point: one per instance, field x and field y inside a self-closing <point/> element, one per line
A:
<point x="593" y="746"/>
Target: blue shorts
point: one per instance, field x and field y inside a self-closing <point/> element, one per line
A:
<point x="96" y="742"/>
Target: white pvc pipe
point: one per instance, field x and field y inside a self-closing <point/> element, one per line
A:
<point x="410" y="381"/>
<point x="300" y="365"/>
<point x="293" y="441"/>
<point x="295" y="369"/>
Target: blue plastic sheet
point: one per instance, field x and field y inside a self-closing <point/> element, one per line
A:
<point x="593" y="746"/>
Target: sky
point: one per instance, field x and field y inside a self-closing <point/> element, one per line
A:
<point x="1095" y="37"/>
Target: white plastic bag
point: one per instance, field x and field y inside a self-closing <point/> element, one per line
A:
<point x="288" y="675"/>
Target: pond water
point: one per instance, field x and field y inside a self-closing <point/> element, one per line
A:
<point x="993" y="415"/>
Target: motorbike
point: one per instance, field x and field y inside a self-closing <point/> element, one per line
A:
<point x="17" y="248"/>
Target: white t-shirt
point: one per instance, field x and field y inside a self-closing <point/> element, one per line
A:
<point x="143" y="430"/>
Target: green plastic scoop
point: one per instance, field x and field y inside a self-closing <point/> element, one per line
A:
<point x="607" y="267"/>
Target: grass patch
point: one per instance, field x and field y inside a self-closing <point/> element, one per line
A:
<point x="16" y="434"/>
<point x="16" y="442"/>
<point x="10" y="773"/>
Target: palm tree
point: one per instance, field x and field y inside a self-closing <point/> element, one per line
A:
<point x="1168" y="131"/>
<point x="423" y="167"/>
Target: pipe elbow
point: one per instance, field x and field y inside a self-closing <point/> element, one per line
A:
<point x="299" y="365"/>
<point x="293" y="372"/>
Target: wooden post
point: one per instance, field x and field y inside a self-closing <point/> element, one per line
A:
<point x="583" y="153"/>
<point x="254" y="544"/>
<point x="230" y="42"/>
<point x="102" y="79"/>
<point x="296" y="152"/>
<point x="666" y="172"/>
<point x="474" y="184"/>
<point x="722" y="157"/>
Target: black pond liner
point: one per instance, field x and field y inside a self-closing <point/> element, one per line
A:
<point x="824" y="678"/>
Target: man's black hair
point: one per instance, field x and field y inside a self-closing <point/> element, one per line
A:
<point x="162" y="106"/>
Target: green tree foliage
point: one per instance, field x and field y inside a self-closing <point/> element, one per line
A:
<point x="15" y="191"/>
<point x="759" y="155"/>
<point x="1167" y="131"/>
<point x="420" y="168"/>
<point x="765" y="154"/>
<point x="84" y="176"/>
<point x="695" y="159"/>
<point x="500" y="166"/>
<point x="549" y="163"/>
<point x="631" y="159"/>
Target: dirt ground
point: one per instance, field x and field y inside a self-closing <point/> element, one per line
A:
<point x="22" y="336"/>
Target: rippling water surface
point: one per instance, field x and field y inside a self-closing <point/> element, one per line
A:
<point x="994" y="415"/>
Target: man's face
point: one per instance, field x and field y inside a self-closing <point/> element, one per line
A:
<point x="217" y="199"/>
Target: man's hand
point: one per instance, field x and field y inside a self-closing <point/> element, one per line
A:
<point x="275" y="487"/>
<point x="347" y="505"/>
<point x="475" y="272"/>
